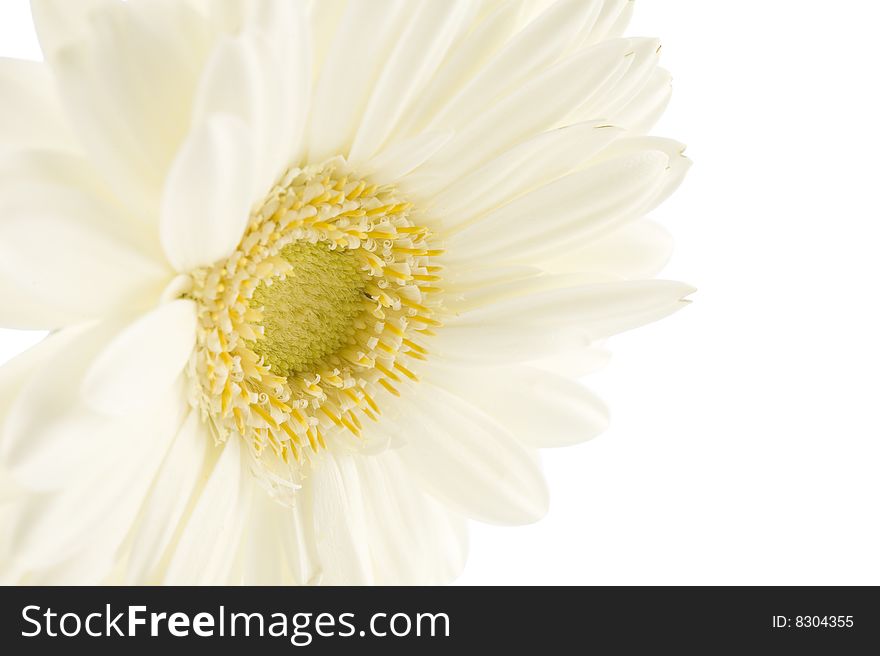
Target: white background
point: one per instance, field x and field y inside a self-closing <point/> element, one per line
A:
<point x="744" y="444"/>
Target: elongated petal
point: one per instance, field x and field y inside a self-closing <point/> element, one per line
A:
<point x="60" y="22"/>
<point x="533" y="164"/>
<point x="470" y="462"/>
<point x="30" y="115"/>
<point x="628" y="181"/>
<point x="432" y="28"/>
<point x="637" y="250"/>
<point x="247" y="78"/>
<point x="48" y="432"/>
<point x="538" y="45"/>
<point x="468" y="55"/>
<point x="539" y="324"/>
<point x="432" y="549"/>
<point x="340" y="523"/>
<point x="362" y="42"/>
<point x="535" y="107"/>
<point x="208" y="195"/>
<point x="211" y="536"/>
<point x="68" y="246"/>
<point x="176" y="484"/>
<point x="55" y="526"/>
<point x="539" y="408"/>
<point x="126" y="73"/>
<point x="641" y="112"/>
<point x="140" y="363"/>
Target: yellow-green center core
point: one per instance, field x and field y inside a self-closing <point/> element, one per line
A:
<point x="311" y="313"/>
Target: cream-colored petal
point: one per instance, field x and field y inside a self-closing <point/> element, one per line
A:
<point x="176" y="484"/>
<point x="211" y="535"/>
<point x="263" y="560"/>
<point x="62" y="22"/>
<point x="470" y="462"/>
<point x="537" y="46"/>
<point x="394" y="163"/>
<point x="637" y="250"/>
<point x="136" y="367"/>
<point x="75" y="521"/>
<point x="335" y="497"/>
<point x="68" y="246"/>
<point x="627" y="181"/>
<point x="642" y="60"/>
<point x="21" y="311"/>
<point x="468" y="55"/>
<point x="249" y="78"/>
<point x="432" y="549"/>
<point x="535" y="325"/>
<point x="611" y="21"/>
<point x="364" y="38"/>
<point x="533" y="108"/>
<point x="126" y="75"/>
<point x="48" y="433"/>
<point x="429" y="31"/>
<point x="15" y="373"/>
<point x="208" y="195"/>
<point x="539" y="408"/>
<point x="644" y="110"/>
<point x="30" y="114"/>
<point x="298" y="544"/>
<point x="532" y="164"/>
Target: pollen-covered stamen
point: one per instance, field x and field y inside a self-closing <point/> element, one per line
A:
<point x="319" y="313"/>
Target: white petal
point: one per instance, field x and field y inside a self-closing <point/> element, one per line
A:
<point x="297" y="535"/>
<point x="127" y="73"/>
<point x="397" y="161"/>
<point x="20" y="310"/>
<point x="175" y="484"/>
<point x="66" y="244"/>
<point x="433" y="547"/>
<point x="611" y="22"/>
<point x="637" y="250"/>
<point x="15" y="373"/>
<point x="641" y="113"/>
<point x="30" y="115"/>
<point x="532" y="164"/>
<point x="247" y="78"/>
<point x="211" y="535"/>
<point x="641" y="63"/>
<point x="48" y="434"/>
<point x="60" y="22"/>
<point x="335" y="496"/>
<point x="628" y="181"/>
<point x="533" y="108"/>
<point x="536" y="325"/>
<point x="539" y="408"/>
<point x="362" y="43"/>
<point x="540" y="44"/>
<point x="93" y="514"/>
<point x="324" y="21"/>
<point x="468" y="461"/>
<point x="424" y="41"/>
<point x="208" y="195"/>
<point x="263" y="559"/>
<point x="140" y="363"/>
<point x="468" y="55"/>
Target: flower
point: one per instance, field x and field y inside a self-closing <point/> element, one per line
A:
<point x="320" y="277"/>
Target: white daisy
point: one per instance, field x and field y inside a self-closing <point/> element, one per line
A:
<point x="320" y="275"/>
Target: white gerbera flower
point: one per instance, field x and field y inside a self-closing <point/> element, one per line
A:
<point x="320" y="276"/>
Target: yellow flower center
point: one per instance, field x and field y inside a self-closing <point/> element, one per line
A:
<point x="320" y="313"/>
<point x="311" y="313"/>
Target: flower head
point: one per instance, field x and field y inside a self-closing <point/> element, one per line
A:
<point x="320" y="277"/>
